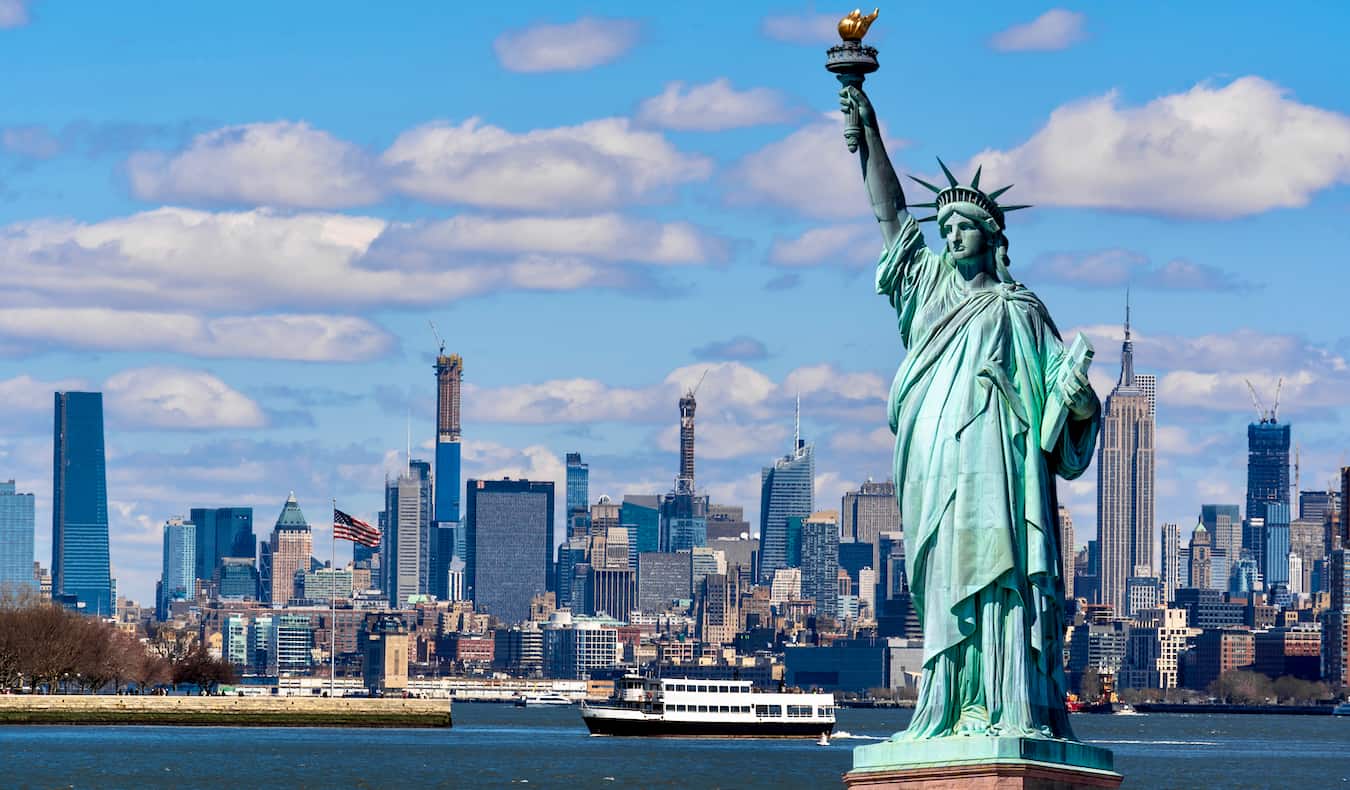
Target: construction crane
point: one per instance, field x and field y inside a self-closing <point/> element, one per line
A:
<point x="1261" y="413"/>
<point x="441" y="340"/>
<point x="694" y="391"/>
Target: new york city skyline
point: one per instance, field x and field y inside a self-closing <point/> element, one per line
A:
<point x="242" y="252"/>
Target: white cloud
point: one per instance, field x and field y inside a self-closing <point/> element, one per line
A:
<point x="13" y="13"/>
<point x="725" y="439"/>
<point x="295" y="337"/>
<point x="1209" y="372"/>
<point x="802" y="28"/>
<point x="1053" y="30"/>
<point x="1114" y="268"/>
<point x="282" y="163"/>
<point x="847" y="246"/>
<point x="605" y="237"/>
<point x="25" y="393"/>
<point x="174" y="398"/>
<point x="713" y="106"/>
<point x="810" y="172"/>
<point x="597" y="164"/>
<point x="491" y="461"/>
<point x="740" y="347"/>
<point x="731" y="394"/>
<point x="575" y="46"/>
<point x="874" y="441"/>
<point x="262" y="259"/>
<point x="1211" y="152"/>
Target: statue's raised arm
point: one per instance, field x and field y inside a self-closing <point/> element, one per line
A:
<point x="883" y="186"/>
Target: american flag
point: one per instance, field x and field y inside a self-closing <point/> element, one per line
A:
<point x="347" y="527"/>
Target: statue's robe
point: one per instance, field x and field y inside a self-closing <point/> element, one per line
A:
<point x="977" y="494"/>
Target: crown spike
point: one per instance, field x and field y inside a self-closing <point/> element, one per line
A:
<point x="975" y="182"/>
<point x="994" y="195"/>
<point x="934" y="189"/>
<point x="928" y="219"/>
<point x="1006" y="209"/>
<point x="950" y="178"/>
<point x="923" y="205"/>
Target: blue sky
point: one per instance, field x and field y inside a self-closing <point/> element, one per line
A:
<point x="237" y="221"/>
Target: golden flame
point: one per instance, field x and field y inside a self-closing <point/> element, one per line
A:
<point x="854" y="26"/>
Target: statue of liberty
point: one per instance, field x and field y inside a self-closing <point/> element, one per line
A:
<point x="987" y="407"/>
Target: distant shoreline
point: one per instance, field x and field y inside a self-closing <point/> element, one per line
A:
<point x="222" y="711"/>
<point x="1281" y="710"/>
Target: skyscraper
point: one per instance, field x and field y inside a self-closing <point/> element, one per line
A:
<point x="578" y="496"/>
<point x="820" y="562"/>
<point x="1067" y="552"/>
<point x="289" y="550"/>
<point x="870" y="511"/>
<point x="447" y="534"/>
<point x="785" y="491"/>
<point x="1125" y="496"/>
<point x="1171" y="560"/>
<point x="1200" y="572"/>
<point x="408" y="544"/>
<point x="80" y="564"/>
<point x="222" y="532"/>
<point x="178" y="570"/>
<point x="510" y="540"/>
<point x="640" y="514"/>
<point x="1267" y="466"/>
<point x="16" y="539"/>
<point x="1224" y="523"/>
<point x="685" y="481"/>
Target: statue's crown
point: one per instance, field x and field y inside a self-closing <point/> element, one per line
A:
<point x="959" y="193"/>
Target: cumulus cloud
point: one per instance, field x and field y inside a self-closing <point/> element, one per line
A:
<point x="574" y="46"/>
<point x="713" y="106"/>
<point x="282" y="163"/>
<point x="802" y="28"/>
<point x="847" y="246"/>
<point x="736" y="397"/>
<point x="1055" y="29"/>
<point x="174" y="398"/>
<point x="492" y="461"/>
<point x="27" y="394"/>
<point x="13" y="13"/>
<point x="263" y="259"/>
<point x="726" y="439"/>
<point x="88" y="138"/>
<point x="1115" y="268"/>
<point x="1214" y="152"/>
<point x="1209" y="372"/>
<point x="310" y="338"/>
<point x="809" y="172"/>
<point x="740" y="347"/>
<point x="597" y="164"/>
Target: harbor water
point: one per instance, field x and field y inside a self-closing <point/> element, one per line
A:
<point x="502" y="746"/>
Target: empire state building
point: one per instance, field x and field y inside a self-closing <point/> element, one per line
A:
<point x="1125" y="492"/>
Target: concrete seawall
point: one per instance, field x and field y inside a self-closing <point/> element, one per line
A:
<point x="224" y="711"/>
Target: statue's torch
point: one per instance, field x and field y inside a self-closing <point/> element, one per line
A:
<point x="851" y="61"/>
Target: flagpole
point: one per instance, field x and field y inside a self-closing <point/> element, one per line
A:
<point x="332" y="598"/>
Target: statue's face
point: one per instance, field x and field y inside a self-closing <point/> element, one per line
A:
<point x="965" y="238"/>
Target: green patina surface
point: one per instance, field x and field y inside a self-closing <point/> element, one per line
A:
<point x="988" y="408"/>
<point x="979" y="750"/>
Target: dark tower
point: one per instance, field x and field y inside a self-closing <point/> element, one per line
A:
<point x="685" y="482"/>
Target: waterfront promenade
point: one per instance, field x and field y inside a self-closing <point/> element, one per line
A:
<point x="229" y="711"/>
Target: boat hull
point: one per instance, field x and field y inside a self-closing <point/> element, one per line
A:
<point x="658" y="728"/>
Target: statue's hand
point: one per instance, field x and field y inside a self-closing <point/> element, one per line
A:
<point x="1078" y="394"/>
<point x="852" y="98"/>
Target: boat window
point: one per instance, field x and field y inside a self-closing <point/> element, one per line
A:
<point x="702" y="708"/>
<point x="799" y="711"/>
<point x="769" y="710"/>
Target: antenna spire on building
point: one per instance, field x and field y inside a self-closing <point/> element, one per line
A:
<point x="797" y="425"/>
<point x="1127" y="348"/>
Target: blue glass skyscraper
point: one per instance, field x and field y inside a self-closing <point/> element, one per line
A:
<point x="80" y="565"/>
<point x="578" y="496"/>
<point x="177" y="572"/>
<point x="785" y="491"/>
<point x="446" y="538"/>
<point x="1267" y="466"/>
<point x="222" y="532"/>
<point x="16" y="539"/>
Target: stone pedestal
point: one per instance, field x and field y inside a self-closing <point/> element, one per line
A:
<point x="982" y="763"/>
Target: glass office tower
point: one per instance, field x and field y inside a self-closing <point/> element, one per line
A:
<point x="80" y="566"/>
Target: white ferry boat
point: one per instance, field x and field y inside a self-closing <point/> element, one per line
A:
<point x="681" y="707"/>
<point x="535" y="700"/>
